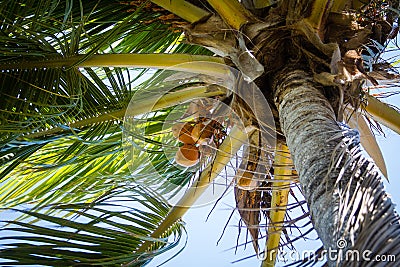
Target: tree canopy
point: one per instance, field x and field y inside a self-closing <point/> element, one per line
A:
<point x="117" y="115"/>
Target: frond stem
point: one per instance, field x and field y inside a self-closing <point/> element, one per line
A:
<point x="146" y="105"/>
<point x="338" y="5"/>
<point x="232" y="12"/>
<point x="383" y="113"/>
<point x="280" y="191"/>
<point x="183" y="9"/>
<point x="160" y="61"/>
<point x="319" y="14"/>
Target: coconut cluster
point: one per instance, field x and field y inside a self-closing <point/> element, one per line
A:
<point x="193" y="135"/>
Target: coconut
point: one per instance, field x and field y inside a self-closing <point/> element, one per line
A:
<point x="183" y="132"/>
<point x="187" y="155"/>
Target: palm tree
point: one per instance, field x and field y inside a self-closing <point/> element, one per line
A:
<point x="68" y="74"/>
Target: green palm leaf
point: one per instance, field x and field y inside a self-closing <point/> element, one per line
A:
<point x="45" y="98"/>
<point x="105" y="232"/>
<point x="36" y="99"/>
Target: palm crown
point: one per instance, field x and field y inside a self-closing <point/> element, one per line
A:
<point x="87" y="122"/>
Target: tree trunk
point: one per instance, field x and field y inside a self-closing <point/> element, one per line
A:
<point x="348" y="205"/>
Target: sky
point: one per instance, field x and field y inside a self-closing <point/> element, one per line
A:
<point x="202" y="249"/>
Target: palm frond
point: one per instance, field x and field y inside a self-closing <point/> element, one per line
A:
<point x="105" y="232"/>
<point x="66" y="169"/>
<point x="39" y="98"/>
<point x="74" y="158"/>
<point x="106" y="91"/>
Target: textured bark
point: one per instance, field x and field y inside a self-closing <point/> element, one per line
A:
<point x="346" y="201"/>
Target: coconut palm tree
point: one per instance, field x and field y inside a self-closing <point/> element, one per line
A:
<point x="90" y="133"/>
